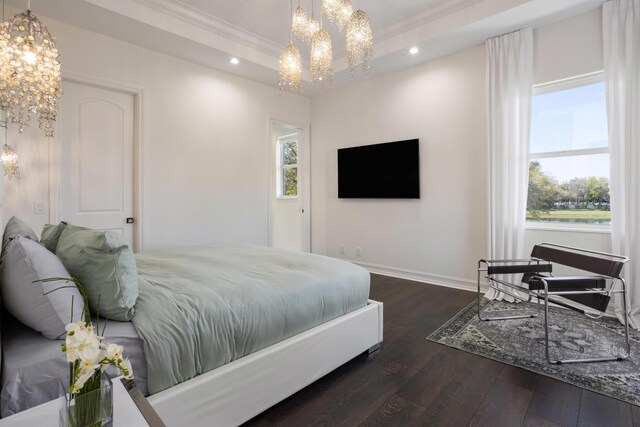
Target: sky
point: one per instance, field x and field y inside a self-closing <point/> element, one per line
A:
<point x="571" y="119"/>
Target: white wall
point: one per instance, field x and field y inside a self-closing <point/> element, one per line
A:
<point x="568" y="48"/>
<point x="444" y="233"/>
<point x="21" y="194"/>
<point x="205" y="152"/>
<point x="440" y="237"/>
<point x="205" y="160"/>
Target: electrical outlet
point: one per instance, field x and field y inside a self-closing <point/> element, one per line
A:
<point x="343" y="250"/>
<point x="358" y="251"/>
<point x="38" y="207"/>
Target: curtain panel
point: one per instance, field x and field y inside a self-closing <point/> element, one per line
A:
<point x="509" y="82"/>
<point x="621" y="27"/>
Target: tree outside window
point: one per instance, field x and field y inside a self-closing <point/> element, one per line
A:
<point x="287" y="167"/>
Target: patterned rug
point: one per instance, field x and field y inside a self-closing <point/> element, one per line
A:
<point x="520" y="343"/>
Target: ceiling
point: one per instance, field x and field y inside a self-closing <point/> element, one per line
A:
<point x="210" y="32"/>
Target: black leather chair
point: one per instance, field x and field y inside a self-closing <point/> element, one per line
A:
<point x="587" y="294"/>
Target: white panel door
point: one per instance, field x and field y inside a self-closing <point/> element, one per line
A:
<point x="96" y="158"/>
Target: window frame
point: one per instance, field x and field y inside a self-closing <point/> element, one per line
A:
<point x="281" y="167"/>
<point x="556" y="86"/>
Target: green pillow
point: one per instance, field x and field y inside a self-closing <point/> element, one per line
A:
<point x="51" y="234"/>
<point x="105" y="267"/>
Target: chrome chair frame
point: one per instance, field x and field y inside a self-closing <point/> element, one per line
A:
<point x="534" y="265"/>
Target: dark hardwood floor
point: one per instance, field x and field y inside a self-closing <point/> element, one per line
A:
<point x="412" y="381"/>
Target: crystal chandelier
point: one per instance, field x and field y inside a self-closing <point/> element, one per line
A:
<point x="312" y="28"/>
<point x="359" y="41"/>
<point x="343" y="14"/>
<point x="29" y="72"/>
<point x="290" y="64"/>
<point x="290" y="69"/>
<point x="321" y="57"/>
<point x="330" y="9"/>
<point x="299" y="23"/>
<point x="357" y="27"/>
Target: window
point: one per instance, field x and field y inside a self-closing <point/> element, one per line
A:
<point x="287" y="164"/>
<point x="569" y="154"/>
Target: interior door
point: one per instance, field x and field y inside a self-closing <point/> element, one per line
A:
<point x="289" y="188"/>
<point x="96" y="158"/>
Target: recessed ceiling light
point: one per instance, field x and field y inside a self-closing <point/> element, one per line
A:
<point x="414" y="50"/>
<point x="234" y="61"/>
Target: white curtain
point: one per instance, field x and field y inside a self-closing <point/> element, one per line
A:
<point x="621" y="26"/>
<point x="509" y="81"/>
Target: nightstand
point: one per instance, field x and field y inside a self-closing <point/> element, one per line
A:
<point x="125" y="412"/>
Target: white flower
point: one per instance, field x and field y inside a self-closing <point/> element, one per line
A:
<point x="114" y="351"/>
<point x="90" y="353"/>
<point x="75" y="326"/>
<point x="127" y="366"/>
<point x="79" y="336"/>
<point x="72" y="354"/>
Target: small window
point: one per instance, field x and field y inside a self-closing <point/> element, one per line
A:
<point x="287" y="166"/>
<point x="569" y="154"/>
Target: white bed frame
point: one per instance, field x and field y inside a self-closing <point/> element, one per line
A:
<point x="236" y="392"/>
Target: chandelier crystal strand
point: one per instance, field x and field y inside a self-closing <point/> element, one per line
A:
<point x="299" y="23"/>
<point x="9" y="157"/>
<point x="321" y="58"/>
<point x="359" y="42"/>
<point x="10" y="162"/>
<point x="312" y="25"/>
<point x="290" y="67"/>
<point x="29" y="72"/>
<point x="312" y="28"/>
<point x="330" y="9"/>
<point x="343" y="15"/>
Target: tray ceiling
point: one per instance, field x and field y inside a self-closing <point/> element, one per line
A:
<point x="210" y="32"/>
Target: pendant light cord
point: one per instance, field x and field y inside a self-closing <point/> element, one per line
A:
<point x="291" y="30"/>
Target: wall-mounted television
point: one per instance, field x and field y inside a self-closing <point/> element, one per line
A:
<point x="380" y="171"/>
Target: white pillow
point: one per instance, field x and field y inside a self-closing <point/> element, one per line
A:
<point x="16" y="227"/>
<point x="25" y="261"/>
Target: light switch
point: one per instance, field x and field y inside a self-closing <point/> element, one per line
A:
<point x="39" y="207"/>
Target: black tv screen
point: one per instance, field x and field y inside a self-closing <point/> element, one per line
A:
<point x="380" y="171"/>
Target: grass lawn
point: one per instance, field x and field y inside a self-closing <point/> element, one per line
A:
<point x="580" y="215"/>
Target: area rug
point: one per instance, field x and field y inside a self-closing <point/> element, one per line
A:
<point x="520" y="343"/>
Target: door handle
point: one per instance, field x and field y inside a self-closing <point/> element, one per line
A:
<point x="129" y="220"/>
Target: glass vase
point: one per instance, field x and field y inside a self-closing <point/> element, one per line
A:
<point x="92" y="406"/>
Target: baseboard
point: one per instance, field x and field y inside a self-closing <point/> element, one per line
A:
<point x="419" y="276"/>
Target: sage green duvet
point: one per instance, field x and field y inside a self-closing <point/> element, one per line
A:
<point x="205" y="306"/>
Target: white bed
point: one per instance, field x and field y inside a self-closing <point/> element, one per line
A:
<point x="236" y="392"/>
<point x="266" y="356"/>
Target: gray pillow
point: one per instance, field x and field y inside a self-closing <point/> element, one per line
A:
<point x="105" y="267"/>
<point x="25" y="261"/>
<point x="51" y="234"/>
<point x="16" y="227"/>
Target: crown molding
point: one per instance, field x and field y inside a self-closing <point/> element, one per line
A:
<point x="194" y="16"/>
<point x="425" y="16"/>
<point x="221" y="28"/>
